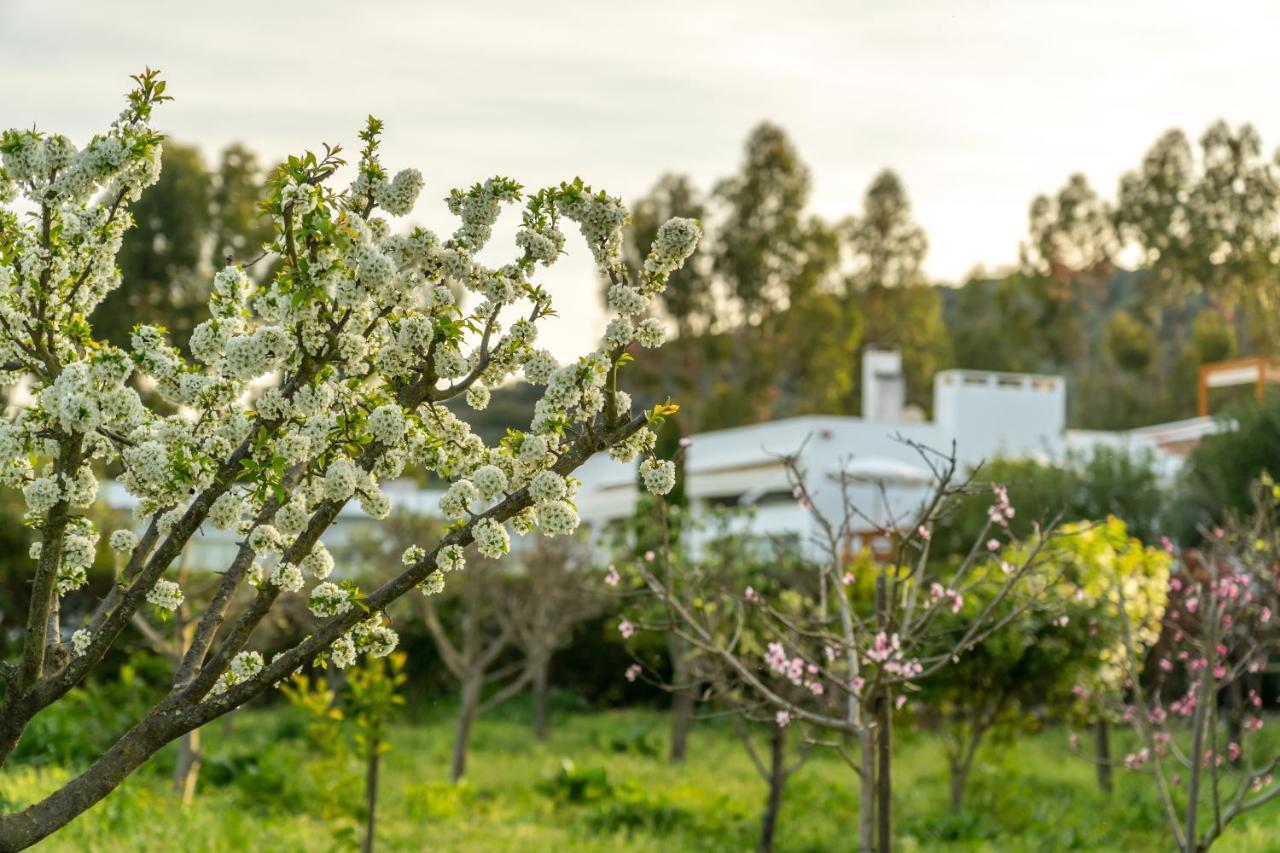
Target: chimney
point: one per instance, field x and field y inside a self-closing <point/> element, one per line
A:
<point x="884" y="388"/>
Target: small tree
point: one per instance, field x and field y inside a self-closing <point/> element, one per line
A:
<point x="868" y="636"/>
<point x="1221" y="630"/>
<point x="725" y="565"/>
<point x="1053" y="658"/>
<point x="474" y="645"/>
<point x="303" y="392"/>
<point x="371" y="697"/>
<point x="539" y="604"/>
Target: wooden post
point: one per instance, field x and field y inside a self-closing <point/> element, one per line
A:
<point x="1202" y="395"/>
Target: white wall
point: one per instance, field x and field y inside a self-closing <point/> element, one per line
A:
<point x="992" y="414"/>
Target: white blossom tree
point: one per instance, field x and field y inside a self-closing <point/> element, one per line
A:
<point x="303" y="393"/>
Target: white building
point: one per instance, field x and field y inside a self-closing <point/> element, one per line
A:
<point x="979" y="414"/>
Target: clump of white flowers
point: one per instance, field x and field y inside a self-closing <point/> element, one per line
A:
<point x="287" y="576"/>
<point x="243" y="666"/>
<point x="658" y="475"/>
<point x="491" y="538"/>
<point x="166" y="595"/>
<point x="80" y="641"/>
<point x="557" y="518"/>
<point x="123" y="541"/>
<point x="451" y="559"/>
<point x="317" y="378"/>
<point x="329" y="599"/>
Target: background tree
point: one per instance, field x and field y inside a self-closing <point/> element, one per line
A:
<point x="1235" y="208"/>
<point x="1049" y="660"/>
<point x="477" y="647"/>
<point x="540" y="603"/>
<point x="759" y="253"/>
<point x="886" y="249"/>
<point x="1222" y="633"/>
<point x="1217" y="477"/>
<point x="186" y="227"/>
<point x="372" y="695"/>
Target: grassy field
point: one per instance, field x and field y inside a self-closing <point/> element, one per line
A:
<point x="264" y="788"/>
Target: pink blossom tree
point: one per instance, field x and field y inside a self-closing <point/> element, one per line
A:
<point x="848" y="642"/>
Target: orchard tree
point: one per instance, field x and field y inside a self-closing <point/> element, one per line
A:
<point x="361" y="341"/>
<point x="1221" y="627"/>
<point x="1058" y="657"/>
<point x="729" y="560"/>
<point x="842" y="661"/>
<point x="549" y="594"/>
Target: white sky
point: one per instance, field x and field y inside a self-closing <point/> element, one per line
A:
<point x="979" y="106"/>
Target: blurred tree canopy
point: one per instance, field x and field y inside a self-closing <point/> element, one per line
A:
<point x="771" y="319"/>
<point x="186" y="226"/>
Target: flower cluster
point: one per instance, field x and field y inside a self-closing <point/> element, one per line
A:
<point x="166" y="595"/>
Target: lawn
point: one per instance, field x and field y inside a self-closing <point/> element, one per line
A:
<point x="601" y="783"/>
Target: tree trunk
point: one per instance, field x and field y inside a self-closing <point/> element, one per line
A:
<point x="187" y="769"/>
<point x="1235" y="716"/>
<point x="867" y="791"/>
<point x="683" y="700"/>
<point x="777" y="780"/>
<point x="371" y="794"/>
<point x="541" y="690"/>
<point x="884" y="778"/>
<point x="959" y="778"/>
<point x="1102" y="755"/>
<point x="466" y="717"/>
<point x="20" y="830"/>
<point x="15" y="713"/>
<point x="884" y="738"/>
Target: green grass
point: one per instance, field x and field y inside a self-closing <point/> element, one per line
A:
<point x="263" y="788"/>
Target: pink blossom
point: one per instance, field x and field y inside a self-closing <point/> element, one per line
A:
<point x="633" y="672"/>
<point x="900" y="701"/>
<point x="783" y="719"/>
<point x="612" y="577"/>
<point x="1168" y="545"/>
<point x="686" y="442"/>
<point x="751" y="595"/>
<point x="1233" y="751"/>
<point x="626" y="629"/>
<point x="649" y="556"/>
<point x="993" y="545"/>
<point x="848" y="579"/>
<point x="923" y="532"/>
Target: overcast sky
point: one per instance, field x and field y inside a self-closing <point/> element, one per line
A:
<point x="979" y="106"/>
